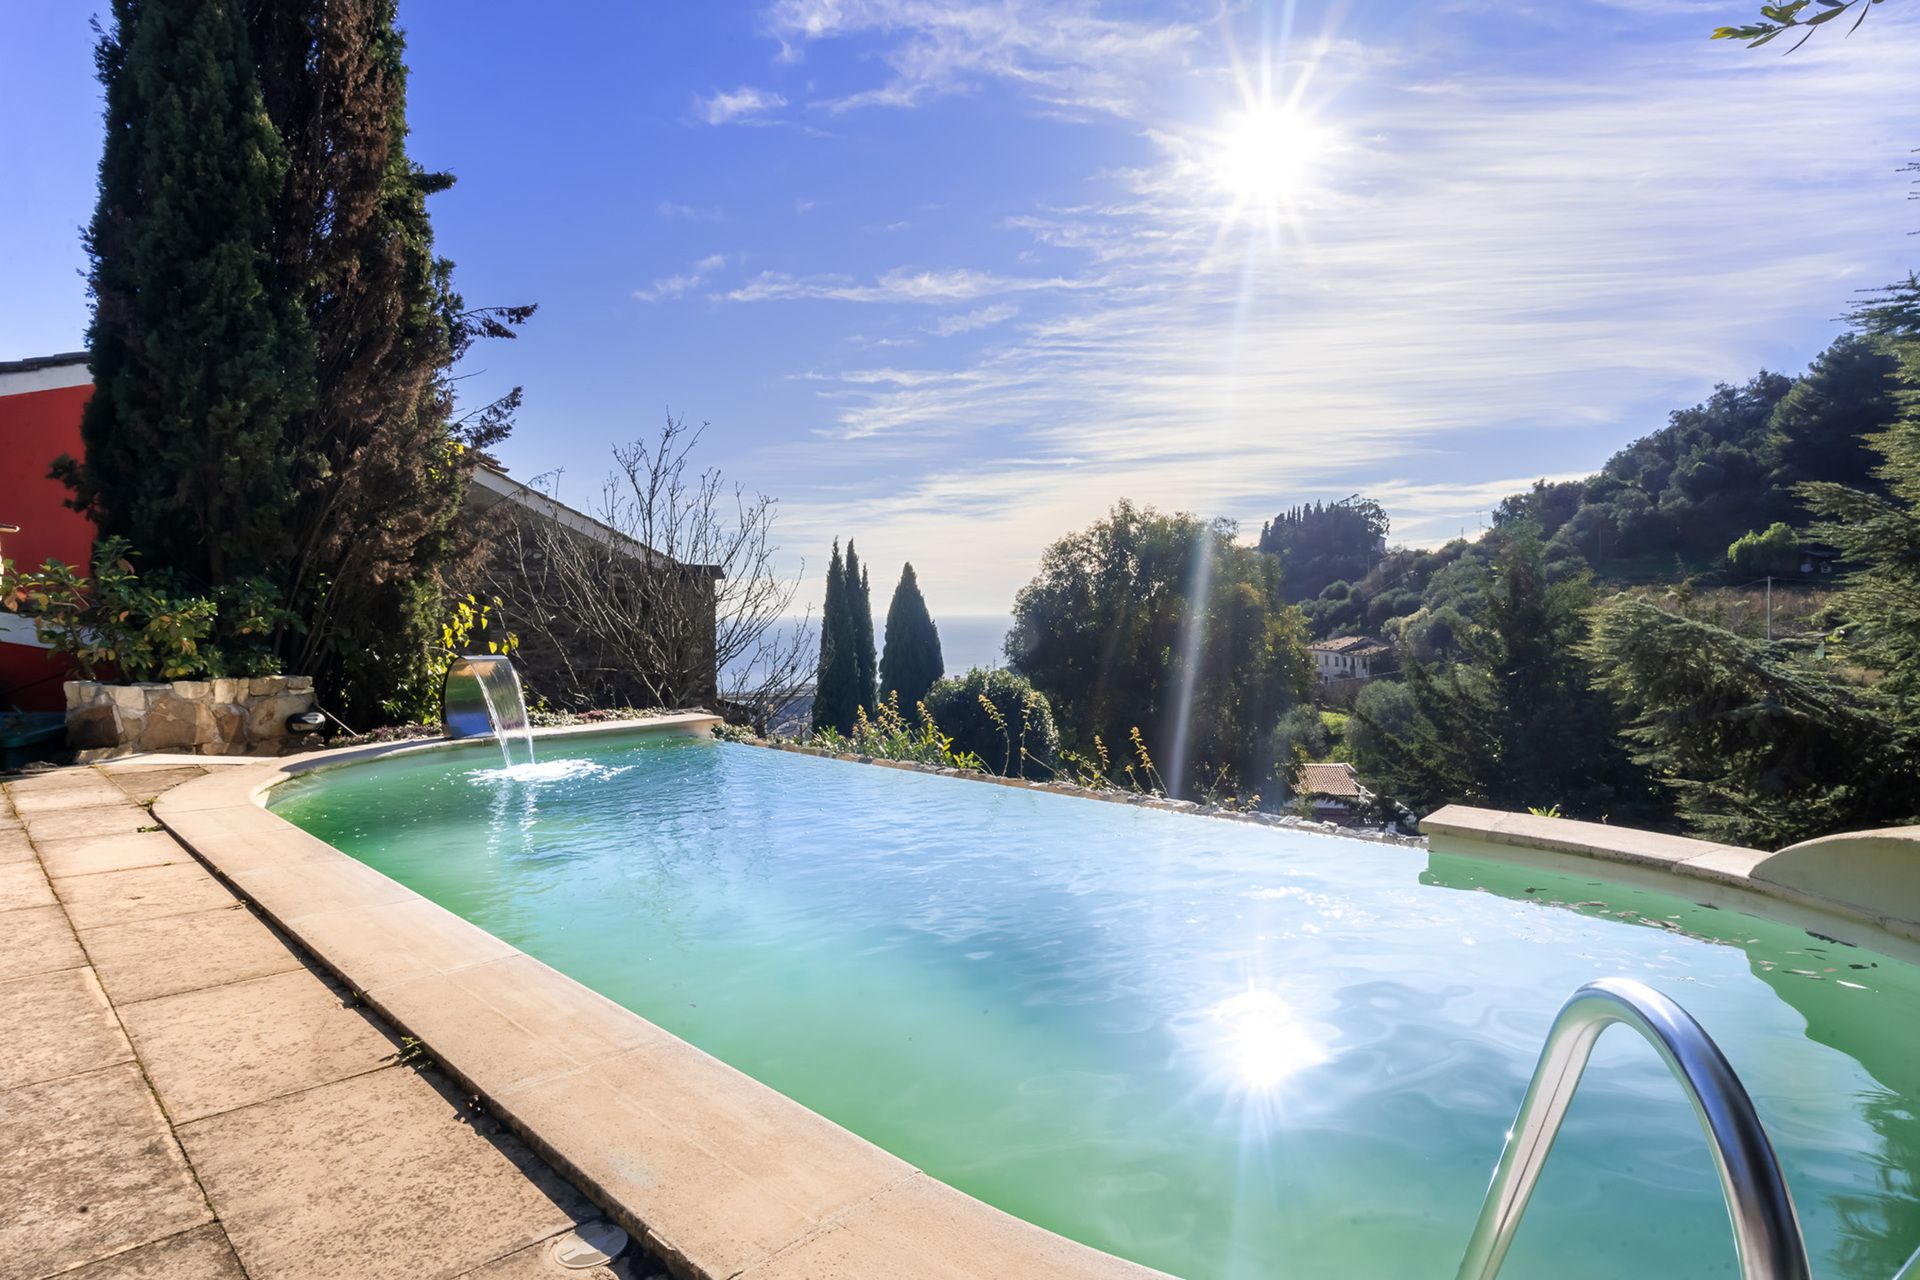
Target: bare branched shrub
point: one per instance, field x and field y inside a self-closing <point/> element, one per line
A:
<point x="673" y="579"/>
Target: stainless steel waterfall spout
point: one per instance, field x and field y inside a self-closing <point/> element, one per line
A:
<point x="1766" y="1230"/>
<point x="481" y="697"/>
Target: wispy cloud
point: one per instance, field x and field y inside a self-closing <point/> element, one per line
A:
<point x="675" y="211"/>
<point x="1060" y="53"/>
<point x="983" y="318"/>
<point x="1479" y="253"/>
<point x="745" y="105"/>
<point x="902" y="285"/>
<point x="681" y="283"/>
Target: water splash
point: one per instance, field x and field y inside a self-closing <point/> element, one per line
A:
<point x="545" y="771"/>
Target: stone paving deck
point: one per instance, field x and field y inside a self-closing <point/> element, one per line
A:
<point x="183" y="1094"/>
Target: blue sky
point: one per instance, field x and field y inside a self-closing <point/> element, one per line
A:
<point x="952" y="277"/>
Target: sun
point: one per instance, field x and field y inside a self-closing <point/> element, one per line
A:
<point x="1264" y="155"/>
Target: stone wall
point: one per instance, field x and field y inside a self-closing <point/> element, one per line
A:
<point x="238" y="717"/>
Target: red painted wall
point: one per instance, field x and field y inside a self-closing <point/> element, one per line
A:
<point x="35" y="428"/>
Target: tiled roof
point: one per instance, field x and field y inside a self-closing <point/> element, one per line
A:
<point x="1348" y="644"/>
<point x="32" y="363"/>
<point x="1334" y="779"/>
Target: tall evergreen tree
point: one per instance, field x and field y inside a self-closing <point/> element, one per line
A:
<point x="199" y="357"/>
<point x="859" y="600"/>
<point x="1517" y="723"/>
<point x="273" y="334"/>
<point x="912" y="660"/>
<point x="379" y="461"/>
<point x="836" y="693"/>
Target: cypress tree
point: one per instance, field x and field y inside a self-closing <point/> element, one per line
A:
<point x="379" y="462"/>
<point x="198" y="358"/>
<point x="836" y="684"/>
<point x="859" y="601"/>
<point x="912" y="661"/>
<point x="273" y="335"/>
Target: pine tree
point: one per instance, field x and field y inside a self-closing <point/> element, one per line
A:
<point x="912" y="660"/>
<point x="1517" y="723"/>
<point x="859" y="599"/>
<point x="1880" y="601"/>
<point x="836" y="693"/>
<point x="199" y="359"/>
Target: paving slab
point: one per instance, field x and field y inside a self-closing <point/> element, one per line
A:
<point x="23" y="884"/>
<point x="232" y="1046"/>
<point x="720" y="1168"/>
<point x="200" y="1254"/>
<point x="536" y="1262"/>
<point x="57" y="1024"/>
<point x="45" y="782"/>
<point x="143" y="959"/>
<point x="145" y="784"/>
<point x="513" y="1021"/>
<point x="94" y="820"/>
<point x="89" y="793"/>
<point x="381" y="1177"/>
<point x="396" y="941"/>
<point x="115" y="897"/>
<point x="925" y="1229"/>
<point x="14" y="845"/>
<point x="88" y="855"/>
<point x="37" y="940"/>
<point x="91" y="1171"/>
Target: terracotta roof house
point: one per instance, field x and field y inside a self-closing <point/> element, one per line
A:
<point x="1350" y="658"/>
<point x="1332" y="787"/>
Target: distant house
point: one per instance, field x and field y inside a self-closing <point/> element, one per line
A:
<point x="1333" y="789"/>
<point x="1350" y="658"/>
<point x="1817" y="559"/>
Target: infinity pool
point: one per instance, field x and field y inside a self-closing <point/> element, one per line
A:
<point x="1217" y="1049"/>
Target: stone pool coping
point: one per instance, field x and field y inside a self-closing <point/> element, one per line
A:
<point x="1862" y="887"/>
<point x="719" y="1175"/>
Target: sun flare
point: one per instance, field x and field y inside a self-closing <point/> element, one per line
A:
<point x="1264" y="155"/>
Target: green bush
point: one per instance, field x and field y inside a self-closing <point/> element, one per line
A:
<point x="888" y="736"/>
<point x="1775" y="551"/>
<point x="999" y="717"/>
<point x="145" y="628"/>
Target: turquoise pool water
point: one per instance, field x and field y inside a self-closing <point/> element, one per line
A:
<point x="1218" y="1049"/>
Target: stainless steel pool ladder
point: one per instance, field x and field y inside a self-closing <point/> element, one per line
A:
<point x="1766" y="1230"/>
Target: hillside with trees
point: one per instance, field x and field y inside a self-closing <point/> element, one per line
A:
<point x="1710" y="499"/>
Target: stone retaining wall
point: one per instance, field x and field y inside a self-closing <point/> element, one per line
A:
<point x="245" y="716"/>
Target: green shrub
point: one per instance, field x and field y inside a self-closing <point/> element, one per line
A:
<point x="145" y="628"/>
<point x="999" y="717"/>
<point x="888" y="736"/>
<point x="1775" y="551"/>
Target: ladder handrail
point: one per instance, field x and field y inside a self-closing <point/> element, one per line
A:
<point x="1766" y="1229"/>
